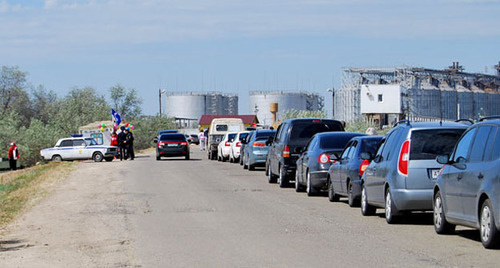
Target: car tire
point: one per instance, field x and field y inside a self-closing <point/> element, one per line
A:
<point x="351" y="200"/>
<point x="298" y="188"/>
<point x="390" y="209"/>
<point x="245" y="165"/>
<point x="158" y="158"/>
<point x="332" y="196"/>
<point x="487" y="228"/>
<point x="310" y="190"/>
<point x="441" y="225"/>
<point x="231" y="159"/>
<point x="187" y="157"/>
<point x="366" y="209"/>
<point x="97" y="157"/>
<point x="241" y="160"/>
<point x="271" y="178"/>
<point x="251" y="167"/>
<point x="57" y="158"/>
<point x="282" y="180"/>
<point x="223" y="159"/>
<point x="108" y="159"/>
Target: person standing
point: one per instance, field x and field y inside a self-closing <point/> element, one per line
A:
<point x="129" y="140"/>
<point x="13" y="155"/>
<point x="201" y="138"/>
<point x="121" y="143"/>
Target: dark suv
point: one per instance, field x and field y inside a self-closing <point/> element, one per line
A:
<point x="467" y="191"/>
<point x="291" y="137"/>
<point x="402" y="174"/>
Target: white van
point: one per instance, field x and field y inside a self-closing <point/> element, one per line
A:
<point x="218" y="128"/>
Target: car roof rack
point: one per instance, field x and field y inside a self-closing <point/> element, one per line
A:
<point x="489" y="118"/>
<point x="401" y="122"/>
<point x="465" y="120"/>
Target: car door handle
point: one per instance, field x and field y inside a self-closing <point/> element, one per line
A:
<point x="480" y="176"/>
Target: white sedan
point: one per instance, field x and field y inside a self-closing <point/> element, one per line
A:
<point x="234" y="156"/>
<point x="79" y="148"/>
<point x="224" y="147"/>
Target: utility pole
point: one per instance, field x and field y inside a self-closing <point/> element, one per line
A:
<point x="159" y="98"/>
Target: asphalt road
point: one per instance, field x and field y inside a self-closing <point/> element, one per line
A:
<point x="202" y="213"/>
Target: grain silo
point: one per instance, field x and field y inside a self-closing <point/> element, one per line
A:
<point x="260" y="102"/>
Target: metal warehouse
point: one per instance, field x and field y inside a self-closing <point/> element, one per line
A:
<point x="385" y="95"/>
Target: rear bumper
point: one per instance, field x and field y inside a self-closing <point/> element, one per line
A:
<point x="412" y="199"/>
<point x="318" y="178"/>
<point x="183" y="151"/>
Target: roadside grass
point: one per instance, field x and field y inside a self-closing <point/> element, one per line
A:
<point x="21" y="189"/>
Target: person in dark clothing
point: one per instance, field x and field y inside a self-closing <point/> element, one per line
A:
<point x="129" y="141"/>
<point x="13" y="156"/>
<point x="121" y="144"/>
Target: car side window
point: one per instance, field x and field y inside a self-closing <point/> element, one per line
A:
<point x="279" y="132"/>
<point x="66" y="143"/>
<point x="380" y="149"/>
<point x="308" y="147"/>
<point x="494" y="145"/>
<point x="463" y="146"/>
<point x="353" y="150"/>
<point x="390" y="142"/>
<point x="345" y="153"/>
<point x="79" y="143"/>
<point x="478" y="147"/>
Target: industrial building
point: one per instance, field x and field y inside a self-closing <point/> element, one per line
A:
<point x="192" y="105"/>
<point x="260" y="102"/>
<point x="385" y="95"/>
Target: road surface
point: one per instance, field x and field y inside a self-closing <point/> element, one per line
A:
<point x="202" y="213"/>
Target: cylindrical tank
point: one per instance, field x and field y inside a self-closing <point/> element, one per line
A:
<point x="185" y="105"/>
<point x="260" y="101"/>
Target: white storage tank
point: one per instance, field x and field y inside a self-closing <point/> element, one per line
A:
<point x="185" y="105"/>
<point x="260" y="101"/>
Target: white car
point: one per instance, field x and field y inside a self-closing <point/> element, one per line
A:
<point x="224" y="147"/>
<point x="79" y="148"/>
<point x="234" y="156"/>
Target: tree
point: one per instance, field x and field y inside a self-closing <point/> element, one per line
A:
<point x="13" y="95"/>
<point x="125" y="101"/>
<point x="43" y="104"/>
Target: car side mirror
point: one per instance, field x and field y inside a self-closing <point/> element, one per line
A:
<point x="366" y="156"/>
<point x="443" y="159"/>
<point x="298" y="150"/>
<point x="155" y="140"/>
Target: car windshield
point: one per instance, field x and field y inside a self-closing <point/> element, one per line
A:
<point x="231" y="136"/>
<point x="428" y="144"/>
<point x="264" y="135"/>
<point x="243" y="135"/>
<point x="335" y="141"/>
<point x="370" y="146"/>
<point x="89" y="141"/>
<point x="301" y="132"/>
<point x="172" y="137"/>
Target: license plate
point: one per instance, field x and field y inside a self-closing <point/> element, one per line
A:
<point x="172" y="145"/>
<point x="435" y="173"/>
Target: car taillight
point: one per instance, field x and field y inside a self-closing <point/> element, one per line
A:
<point x="184" y="143"/>
<point x="238" y="144"/>
<point x="363" y="167"/>
<point x="227" y="144"/>
<point x="324" y="158"/>
<point x="404" y="157"/>
<point x="258" y="144"/>
<point x="286" y="151"/>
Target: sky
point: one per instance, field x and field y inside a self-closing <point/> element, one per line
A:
<point x="238" y="46"/>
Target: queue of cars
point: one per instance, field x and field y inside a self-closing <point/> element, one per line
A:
<point x="450" y="168"/>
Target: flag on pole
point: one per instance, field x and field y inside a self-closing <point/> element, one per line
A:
<point x="116" y="117"/>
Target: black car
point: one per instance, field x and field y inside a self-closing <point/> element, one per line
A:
<point x="172" y="144"/>
<point x="293" y="134"/>
<point x="316" y="158"/>
<point x="344" y="176"/>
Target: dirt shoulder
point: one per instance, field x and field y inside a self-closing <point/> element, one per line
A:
<point x="82" y="223"/>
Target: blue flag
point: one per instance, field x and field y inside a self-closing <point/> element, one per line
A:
<point x="116" y="117"/>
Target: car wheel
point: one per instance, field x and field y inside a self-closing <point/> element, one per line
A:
<point x="366" y="209"/>
<point x="298" y="188"/>
<point x="251" y="167"/>
<point x="97" y="157"/>
<point x="441" y="225"/>
<point x="487" y="228"/>
<point x="56" y="158"/>
<point x="332" y="196"/>
<point x="187" y="157"/>
<point x="223" y="159"/>
<point x="108" y="159"/>
<point x="350" y="197"/>
<point x="241" y="160"/>
<point x="271" y="178"/>
<point x="310" y="190"/>
<point x="158" y="158"/>
<point x="231" y="159"/>
<point x="282" y="180"/>
<point x="245" y="164"/>
<point x="390" y="209"/>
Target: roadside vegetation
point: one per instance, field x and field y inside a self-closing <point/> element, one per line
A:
<point x="21" y="189"/>
<point x="35" y="117"/>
